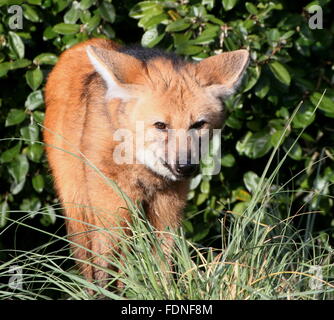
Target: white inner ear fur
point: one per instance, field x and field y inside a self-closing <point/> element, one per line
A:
<point x="226" y="90"/>
<point x="114" y="88"/>
<point x="222" y="91"/>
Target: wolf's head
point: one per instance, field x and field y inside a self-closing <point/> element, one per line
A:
<point x="169" y="105"/>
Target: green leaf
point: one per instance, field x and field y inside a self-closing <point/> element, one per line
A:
<point x="276" y="137"/>
<point x="35" y="152"/>
<point x="38" y="116"/>
<point x="229" y="4"/>
<point x="72" y="15"/>
<point x="287" y="35"/>
<point x="283" y="113"/>
<point x="34" y="78"/>
<point x="145" y="8"/>
<point x="254" y="145"/>
<point x="107" y="11"/>
<point x="10" y="154"/>
<point x="18" y="64"/>
<point x="34" y="100"/>
<point x="38" y="183"/>
<point x="208" y="35"/>
<point x="241" y="195"/>
<point x="30" y="13"/>
<point x="86" y="4"/>
<point x="273" y="35"/>
<point x="10" y="2"/>
<point x="252" y="76"/>
<point x="296" y="151"/>
<point x="304" y="117"/>
<point x="85" y="16"/>
<point x="15" y="116"/>
<point x="251" y="181"/>
<point x="151" y="37"/>
<point x="228" y="160"/>
<point x="201" y="198"/>
<point x="4" y="68"/>
<point x="209" y="3"/>
<point x="109" y="31"/>
<point x="189" y="50"/>
<point x="93" y="22"/>
<point x="16" y="187"/>
<point x="329" y="174"/>
<point x="31" y="206"/>
<point x="326" y="103"/>
<point x="35" y="2"/>
<point x="178" y="25"/>
<point x="19" y="168"/>
<point x="16" y="44"/>
<point x="214" y="19"/>
<point x="194" y="183"/>
<point x="46" y="4"/>
<point x="280" y="72"/>
<point x="30" y="133"/>
<point x="181" y="38"/>
<point x="49" y="216"/>
<point x="4" y="212"/>
<point x="188" y="226"/>
<point x="150" y="22"/>
<point x="262" y="87"/>
<point x="307" y="137"/>
<point x="251" y="8"/>
<point x="198" y="11"/>
<point x="240" y="207"/>
<point x="45" y="58"/>
<point x="65" y="28"/>
<point x="60" y="5"/>
<point x="205" y="186"/>
<point x="49" y="33"/>
<point x="233" y="122"/>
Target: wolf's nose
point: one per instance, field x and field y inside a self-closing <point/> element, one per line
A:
<point x="186" y="169"/>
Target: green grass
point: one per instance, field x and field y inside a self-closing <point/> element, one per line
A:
<point x="256" y="261"/>
<point x="262" y="256"/>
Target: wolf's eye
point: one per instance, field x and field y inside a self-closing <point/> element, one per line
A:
<point x="160" y="125"/>
<point x="198" y="125"/>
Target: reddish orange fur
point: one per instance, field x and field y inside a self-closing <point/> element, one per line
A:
<point x="73" y="125"/>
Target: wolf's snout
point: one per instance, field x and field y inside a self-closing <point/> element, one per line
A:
<point x="187" y="169"/>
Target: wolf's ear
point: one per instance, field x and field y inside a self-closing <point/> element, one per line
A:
<point x="118" y="70"/>
<point x="222" y="73"/>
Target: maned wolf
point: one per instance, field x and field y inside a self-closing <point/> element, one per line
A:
<point x="98" y="88"/>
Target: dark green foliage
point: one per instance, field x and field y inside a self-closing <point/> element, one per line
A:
<point x="290" y="63"/>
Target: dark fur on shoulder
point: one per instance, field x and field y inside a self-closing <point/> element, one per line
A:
<point x="147" y="54"/>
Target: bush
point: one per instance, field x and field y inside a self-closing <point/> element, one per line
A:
<point x="290" y="62"/>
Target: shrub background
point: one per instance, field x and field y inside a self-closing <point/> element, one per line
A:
<point x="290" y="63"/>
